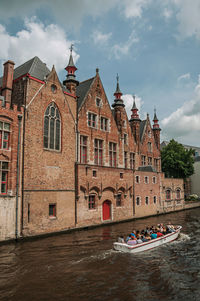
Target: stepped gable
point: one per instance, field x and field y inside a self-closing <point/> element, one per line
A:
<point x="142" y="128"/>
<point x="34" y="67"/>
<point x="82" y="90"/>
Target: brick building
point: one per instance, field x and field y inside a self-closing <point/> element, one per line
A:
<point x="81" y="162"/>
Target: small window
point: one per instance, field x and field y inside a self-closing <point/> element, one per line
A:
<point x="149" y="134"/>
<point x="92" y="120"/>
<point x="53" y="88"/>
<point x="52" y="210"/>
<point x="121" y="175"/>
<point x="94" y="173"/>
<point x="137" y="200"/>
<point x="83" y="149"/>
<point x="125" y="138"/>
<point x="125" y="159"/>
<point x="146" y="180"/>
<point x="178" y="194"/>
<point x="168" y="194"/>
<point x="113" y="154"/>
<point x="149" y="160"/>
<point x="4" y="177"/>
<point x="98" y="152"/>
<point x="137" y="179"/>
<point x="149" y="147"/>
<point x="154" y="180"/>
<point x="98" y="102"/>
<point x="143" y="160"/>
<point x="119" y="200"/>
<point x="4" y="135"/>
<point x="154" y="199"/>
<point x="104" y="124"/>
<point x="132" y="160"/>
<point x="91" y="201"/>
<point x="147" y="200"/>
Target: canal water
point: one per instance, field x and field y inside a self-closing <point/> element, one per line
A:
<point x="83" y="266"/>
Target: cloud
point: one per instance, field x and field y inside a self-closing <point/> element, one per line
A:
<point x="134" y="8"/>
<point x="128" y="101"/>
<point x="167" y="13"/>
<point x="100" y="38"/>
<point x="184" y="77"/>
<point x="183" y="124"/>
<point x="124" y="48"/>
<point x="187" y="15"/>
<point x="49" y="43"/>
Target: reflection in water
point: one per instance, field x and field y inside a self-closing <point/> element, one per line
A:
<point x="83" y="266"/>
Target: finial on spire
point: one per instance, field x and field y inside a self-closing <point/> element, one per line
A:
<point x="117" y="78"/>
<point x="71" y="48"/>
<point x="134" y="115"/>
<point x="155" y="120"/>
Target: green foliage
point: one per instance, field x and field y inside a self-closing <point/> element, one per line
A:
<point x="177" y="162"/>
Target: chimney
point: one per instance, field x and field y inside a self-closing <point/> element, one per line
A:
<point x="8" y="80"/>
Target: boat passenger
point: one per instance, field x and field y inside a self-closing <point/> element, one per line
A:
<point x="128" y="238"/>
<point x="144" y="239"/>
<point x="132" y="241"/>
<point x="139" y="239"/>
<point x="153" y="235"/>
<point x="121" y="239"/>
<point x="159" y="234"/>
<point x="133" y="233"/>
<point x="147" y="236"/>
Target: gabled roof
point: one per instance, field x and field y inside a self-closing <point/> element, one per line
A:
<point x="82" y="90"/>
<point x="34" y="67"/>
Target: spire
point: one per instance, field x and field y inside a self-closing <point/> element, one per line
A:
<point x="71" y="83"/>
<point x="71" y="68"/>
<point x="118" y="101"/>
<point x="134" y="115"/>
<point x="155" y="120"/>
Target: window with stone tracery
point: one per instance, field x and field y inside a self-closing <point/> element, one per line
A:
<point x="52" y="128"/>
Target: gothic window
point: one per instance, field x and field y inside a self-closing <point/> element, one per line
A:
<point x="52" y="127"/>
<point x="154" y="199"/>
<point x="113" y="154"/>
<point x="149" y="147"/>
<point x="147" y="200"/>
<point x="168" y="194"/>
<point x="143" y="160"/>
<point x="4" y="177"/>
<point x="149" y="160"/>
<point x="4" y="135"/>
<point x="137" y="200"/>
<point x="83" y="149"/>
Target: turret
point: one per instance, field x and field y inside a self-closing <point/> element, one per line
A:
<point x="135" y="122"/>
<point x="156" y="130"/>
<point x="118" y="106"/>
<point x="71" y="83"/>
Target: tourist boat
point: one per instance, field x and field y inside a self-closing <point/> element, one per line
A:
<point x="123" y="247"/>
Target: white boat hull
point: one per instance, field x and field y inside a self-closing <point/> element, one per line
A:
<point x="123" y="247"/>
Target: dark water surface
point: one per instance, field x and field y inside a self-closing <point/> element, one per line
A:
<point x="83" y="266"/>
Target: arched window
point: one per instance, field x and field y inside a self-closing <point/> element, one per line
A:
<point x="168" y="194"/>
<point x="178" y="193"/>
<point x="52" y="127"/>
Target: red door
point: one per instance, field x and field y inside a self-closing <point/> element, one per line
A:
<point x="106" y="210"/>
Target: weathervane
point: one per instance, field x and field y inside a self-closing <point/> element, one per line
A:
<point x="71" y="47"/>
<point x="117" y="77"/>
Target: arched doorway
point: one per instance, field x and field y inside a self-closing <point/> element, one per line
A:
<point x="106" y="207"/>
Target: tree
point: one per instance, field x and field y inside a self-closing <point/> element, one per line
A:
<point x="177" y="162"/>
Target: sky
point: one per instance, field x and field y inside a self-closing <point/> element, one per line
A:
<point x="154" y="46"/>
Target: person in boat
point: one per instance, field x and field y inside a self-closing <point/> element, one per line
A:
<point x="147" y="236"/>
<point x="139" y="239"/>
<point x="171" y="227"/>
<point x="154" y="235"/>
<point x="121" y="239"/>
<point x="159" y="233"/>
<point x="128" y="238"/>
<point x="132" y="241"/>
<point x="133" y="233"/>
<point x="144" y="238"/>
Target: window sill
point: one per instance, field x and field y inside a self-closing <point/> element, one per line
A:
<point x="52" y="217"/>
<point x="52" y="150"/>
